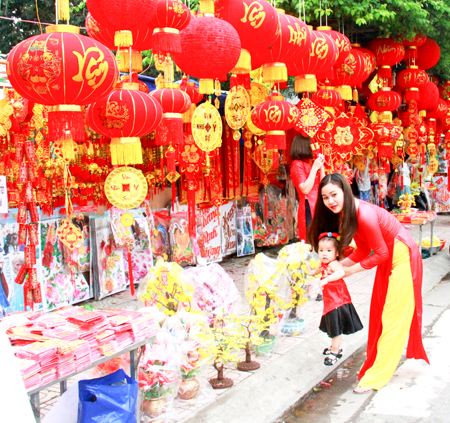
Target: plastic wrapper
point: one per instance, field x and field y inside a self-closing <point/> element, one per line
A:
<point x="297" y="257"/>
<point x="166" y="287"/>
<point x="159" y="378"/>
<point x="182" y="246"/>
<point x="268" y="292"/>
<point x="215" y="291"/>
<point x="159" y="223"/>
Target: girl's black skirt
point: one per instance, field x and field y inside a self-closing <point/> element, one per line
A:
<point x="343" y="320"/>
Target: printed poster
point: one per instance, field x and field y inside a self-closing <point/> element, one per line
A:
<point x="210" y="233"/>
<point x="245" y="242"/>
<point x="228" y="227"/>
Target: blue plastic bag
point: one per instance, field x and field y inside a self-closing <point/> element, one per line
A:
<point x="108" y="399"/>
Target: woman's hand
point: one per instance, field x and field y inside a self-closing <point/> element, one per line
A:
<point x="318" y="163"/>
<point x="323" y="282"/>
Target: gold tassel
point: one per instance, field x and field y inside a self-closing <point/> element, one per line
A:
<point x="217" y="103"/>
<point x="187" y="116"/>
<point x="123" y="61"/>
<point x="355" y="95"/>
<point x="123" y="38"/>
<point x="274" y="72"/>
<point x="168" y="69"/>
<point x="63" y="10"/>
<point x="217" y="88"/>
<point x="345" y="91"/>
<point x="206" y="86"/>
<point x="423" y="113"/>
<point x="126" y="151"/>
<point x="306" y="84"/>
<point x="244" y="64"/>
<point x="207" y="6"/>
<point x="159" y="82"/>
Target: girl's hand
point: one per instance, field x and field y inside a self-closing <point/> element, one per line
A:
<point x="318" y="163"/>
<point x="323" y="282"/>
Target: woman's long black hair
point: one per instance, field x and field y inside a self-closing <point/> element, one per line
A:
<point x="344" y="223"/>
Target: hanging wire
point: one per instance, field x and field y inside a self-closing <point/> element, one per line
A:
<point x="304" y="11"/>
<point x="37" y="14"/>
<point x="326" y="13"/>
<point x="320" y="8"/>
<point x="56" y="11"/>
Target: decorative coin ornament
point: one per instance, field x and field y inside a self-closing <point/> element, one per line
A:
<point x="253" y="128"/>
<point x="127" y="220"/>
<point x="258" y="93"/>
<point x="237" y="109"/>
<point x="126" y="187"/>
<point x="207" y="129"/>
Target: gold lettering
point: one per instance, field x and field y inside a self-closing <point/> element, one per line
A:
<point x="319" y="48"/>
<point x="254" y="14"/>
<point x="273" y="114"/>
<point x="94" y="70"/>
<point x="297" y="34"/>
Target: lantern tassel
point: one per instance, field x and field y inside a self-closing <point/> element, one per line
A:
<point x="207" y="6"/>
<point x="244" y="64"/>
<point x="124" y="61"/>
<point x="206" y="86"/>
<point x="385" y="72"/>
<point x="126" y="151"/>
<point x="275" y="72"/>
<point x="345" y="91"/>
<point x="123" y="38"/>
<point x="64" y="119"/>
<point x="166" y="40"/>
<point x="275" y="140"/>
<point x="306" y="83"/>
<point x="63" y="10"/>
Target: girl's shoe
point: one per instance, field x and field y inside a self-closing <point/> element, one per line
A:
<point x="331" y="359"/>
<point x="327" y="351"/>
<point x="362" y="390"/>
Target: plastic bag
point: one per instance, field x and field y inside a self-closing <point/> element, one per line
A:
<point x="109" y="399"/>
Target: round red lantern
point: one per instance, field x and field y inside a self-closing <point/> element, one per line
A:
<point x="124" y="115"/>
<point x="174" y="103"/>
<point x="323" y="53"/>
<point x="387" y="53"/>
<point x="256" y="22"/>
<point x="428" y="54"/>
<point x="275" y="116"/>
<point x="210" y="48"/>
<point x="171" y="17"/>
<point x="428" y="96"/>
<point x="64" y="70"/>
<point x="410" y="79"/>
<point x="438" y="111"/>
<point x="342" y="42"/>
<point x="327" y="98"/>
<point x="385" y="134"/>
<point x="123" y="17"/>
<point x="370" y="57"/>
<point x="292" y="41"/>
<point x="384" y="100"/>
<point x="194" y="94"/>
<point x="142" y="40"/>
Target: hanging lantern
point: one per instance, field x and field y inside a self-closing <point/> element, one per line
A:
<point x="123" y="17"/>
<point x="174" y="103"/>
<point x="428" y="54"/>
<point x="387" y="53"/>
<point x="256" y="22"/>
<point x="428" y="96"/>
<point x="63" y="70"/>
<point x="384" y="100"/>
<point x="372" y="61"/>
<point x="342" y="42"/>
<point x="194" y="94"/>
<point x="386" y="134"/>
<point x="124" y="115"/>
<point x="134" y="78"/>
<point x="444" y="90"/>
<point x="411" y="47"/>
<point x="328" y="98"/>
<point x="171" y="17"/>
<point x="439" y="111"/>
<point x="323" y="53"/>
<point x="410" y="79"/>
<point x="210" y="48"/>
<point x="292" y="42"/>
<point x="275" y="116"/>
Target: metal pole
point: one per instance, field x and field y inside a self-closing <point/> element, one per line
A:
<point x="36" y="406"/>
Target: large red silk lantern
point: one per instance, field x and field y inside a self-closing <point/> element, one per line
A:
<point x="387" y="53"/>
<point x="275" y="116"/>
<point x="292" y="41"/>
<point x="384" y="100"/>
<point x="410" y="79"/>
<point x="256" y="22"/>
<point x="428" y="54"/>
<point x="210" y="48"/>
<point x="194" y="94"/>
<point x="64" y="70"/>
<point x="323" y="53"/>
<point x="342" y="42"/>
<point x="327" y="98"/>
<point x="171" y="17"/>
<point x="428" y="96"/>
<point x="124" y="115"/>
<point x="174" y="103"/>
<point x="123" y="17"/>
<point x="439" y="111"/>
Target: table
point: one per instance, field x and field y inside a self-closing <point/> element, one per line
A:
<point x="134" y="359"/>
<point x="420" y="234"/>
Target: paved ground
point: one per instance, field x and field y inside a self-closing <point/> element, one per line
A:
<point x="297" y="364"/>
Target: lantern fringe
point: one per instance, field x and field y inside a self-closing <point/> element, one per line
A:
<point x="385" y="72"/>
<point x="345" y="91"/>
<point x="123" y="38"/>
<point x="124" y="62"/>
<point x="64" y="124"/>
<point x="206" y="86"/>
<point x="68" y="149"/>
<point x="187" y="116"/>
<point x="63" y="10"/>
<point x="412" y="94"/>
<point x="126" y="151"/>
<point x="385" y="150"/>
<point x="166" y="42"/>
<point x="244" y="64"/>
<point x="275" y="141"/>
<point x="306" y="83"/>
<point x="174" y="130"/>
<point x="206" y="6"/>
<point x="274" y="72"/>
<point x="355" y="96"/>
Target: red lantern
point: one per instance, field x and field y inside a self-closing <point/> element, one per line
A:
<point x="327" y="98"/>
<point x="428" y="96"/>
<point x="387" y="53"/>
<point x="384" y="100"/>
<point x="256" y="22"/>
<point x="444" y="90"/>
<point x="194" y="94"/>
<point x="292" y="42"/>
<point x="385" y="134"/>
<point x="342" y="42"/>
<point x="369" y="56"/>
<point x="428" y="54"/>
<point x="123" y="17"/>
<point x="439" y="111"/>
<point x="63" y="70"/>
<point x="275" y="116"/>
<point x="171" y="17"/>
<point x="210" y="48"/>
<point x="174" y="103"/>
<point x="142" y="40"/>
<point x="124" y="115"/>
<point x="135" y="79"/>
<point x="323" y="53"/>
<point x="411" y="79"/>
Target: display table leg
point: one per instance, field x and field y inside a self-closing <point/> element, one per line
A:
<point x="431" y="238"/>
<point x="420" y="239"/>
<point x="133" y="364"/>
<point x="36" y="406"/>
<point x="62" y="387"/>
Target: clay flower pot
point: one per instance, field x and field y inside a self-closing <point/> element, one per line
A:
<point x="188" y="389"/>
<point x="153" y="407"/>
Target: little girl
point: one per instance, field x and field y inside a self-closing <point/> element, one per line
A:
<point x="339" y="315"/>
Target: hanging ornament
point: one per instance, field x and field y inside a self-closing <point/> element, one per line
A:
<point x="258" y="93"/>
<point x="311" y="117"/>
<point x="237" y="109"/>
